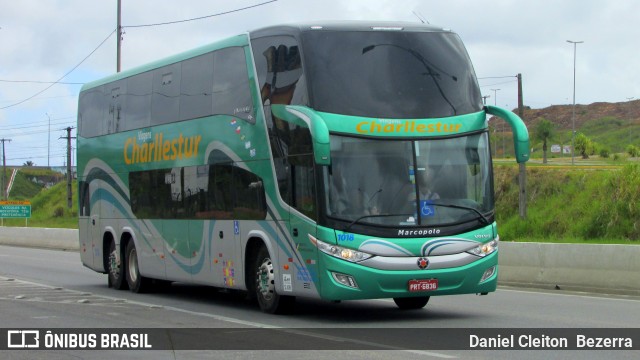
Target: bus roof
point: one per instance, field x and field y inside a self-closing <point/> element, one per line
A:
<point x="354" y="25"/>
<point x="239" y="40"/>
<point x="286" y="29"/>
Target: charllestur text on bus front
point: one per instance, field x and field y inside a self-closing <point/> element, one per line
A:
<point x="181" y="147"/>
<point x="371" y="127"/>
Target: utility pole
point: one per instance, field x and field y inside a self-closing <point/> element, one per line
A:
<point x="4" y="170"/>
<point x="48" y="141"/>
<point x="520" y="101"/>
<point x="573" y="113"/>
<point x="69" y="175"/>
<point x="118" y="37"/>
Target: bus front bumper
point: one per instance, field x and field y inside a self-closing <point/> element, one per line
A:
<point x="343" y="280"/>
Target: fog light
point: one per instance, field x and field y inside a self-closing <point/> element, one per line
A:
<point x="488" y="273"/>
<point x="346" y="280"/>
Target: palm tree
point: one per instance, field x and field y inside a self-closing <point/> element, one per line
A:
<point x="583" y="145"/>
<point x="543" y="132"/>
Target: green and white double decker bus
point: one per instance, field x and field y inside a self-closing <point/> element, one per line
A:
<point x="335" y="161"/>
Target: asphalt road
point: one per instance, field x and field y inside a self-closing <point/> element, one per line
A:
<point x="51" y="289"/>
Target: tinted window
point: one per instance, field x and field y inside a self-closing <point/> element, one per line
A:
<point x="391" y="74"/>
<point x="281" y="81"/>
<point x="250" y="200"/>
<point x="279" y="71"/>
<point x="231" y="95"/>
<point x="196" y="87"/>
<point x="165" y="103"/>
<point x="220" y="191"/>
<point x="116" y="98"/>
<point x="92" y="108"/>
<point x="138" y="106"/>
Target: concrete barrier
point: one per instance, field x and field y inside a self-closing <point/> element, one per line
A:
<point x="62" y="239"/>
<point x="578" y="267"/>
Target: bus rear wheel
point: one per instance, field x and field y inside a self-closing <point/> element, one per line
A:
<point x="115" y="269"/>
<point x="265" y="286"/>
<point x="411" y="303"/>
<point x="137" y="283"/>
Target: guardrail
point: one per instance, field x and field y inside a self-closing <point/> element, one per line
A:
<point x="575" y="267"/>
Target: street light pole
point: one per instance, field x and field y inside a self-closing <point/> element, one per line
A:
<point x="573" y="113"/>
<point x="48" y="141"/>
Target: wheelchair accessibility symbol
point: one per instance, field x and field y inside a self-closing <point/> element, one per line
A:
<point x="427" y="208"/>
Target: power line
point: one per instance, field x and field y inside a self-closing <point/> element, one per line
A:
<point x="34" y="127"/>
<point x="43" y="98"/>
<point x="199" y="18"/>
<point x="500" y="83"/>
<point x="497" y="77"/>
<point x="63" y="76"/>
<point x="35" y="123"/>
<point x="41" y="82"/>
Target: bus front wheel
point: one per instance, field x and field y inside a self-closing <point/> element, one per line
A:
<point x="411" y="303"/>
<point x="265" y="286"/>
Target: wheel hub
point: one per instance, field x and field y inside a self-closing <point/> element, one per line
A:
<point x="114" y="269"/>
<point x="265" y="279"/>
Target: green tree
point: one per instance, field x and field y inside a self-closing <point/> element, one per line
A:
<point x="29" y="163"/>
<point x="633" y="151"/>
<point x="583" y="145"/>
<point x="544" y="131"/>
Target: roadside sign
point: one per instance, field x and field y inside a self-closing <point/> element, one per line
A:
<point x="15" y="209"/>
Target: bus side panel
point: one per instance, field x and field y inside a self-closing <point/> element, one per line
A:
<point x="304" y="269"/>
<point x="149" y="247"/>
<point x="176" y="249"/>
<point x="214" y="253"/>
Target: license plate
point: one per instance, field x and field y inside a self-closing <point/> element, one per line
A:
<point x="423" y="285"/>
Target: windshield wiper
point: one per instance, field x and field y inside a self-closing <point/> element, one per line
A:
<point x="371" y="216"/>
<point x="480" y="215"/>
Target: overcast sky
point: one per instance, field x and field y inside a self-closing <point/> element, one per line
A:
<point x="41" y="41"/>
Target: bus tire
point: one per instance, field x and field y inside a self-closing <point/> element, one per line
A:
<point x="137" y="283"/>
<point x="265" y="286"/>
<point x="115" y="269"/>
<point x="411" y="303"/>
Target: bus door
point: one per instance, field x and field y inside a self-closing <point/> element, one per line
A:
<point x="303" y="221"/>
<point x="84" y="225"/>
<point x="93" y="229"/>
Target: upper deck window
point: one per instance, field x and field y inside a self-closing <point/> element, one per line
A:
<point x="390" y="74"/>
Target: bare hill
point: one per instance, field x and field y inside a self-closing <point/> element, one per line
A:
<point x="560" y="115"/>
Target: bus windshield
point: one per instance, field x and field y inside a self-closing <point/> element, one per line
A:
<point x="390" y="74"/>
<point x="426" y="182"/>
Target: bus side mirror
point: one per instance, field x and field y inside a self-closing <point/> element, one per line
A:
<point x="306" y="117"/>
<point x="520" y="132"/>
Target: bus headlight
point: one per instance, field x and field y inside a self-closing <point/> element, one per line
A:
<point x="485" y="249"/>
<point x="339" y="251"/>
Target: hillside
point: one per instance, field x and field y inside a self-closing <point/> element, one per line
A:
<point x="560" y="115"/>
<point x="611" y="125"/>
<point x="47" y="191"/>
<point x="565" y="203"/>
